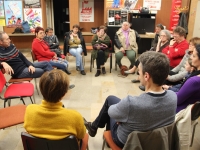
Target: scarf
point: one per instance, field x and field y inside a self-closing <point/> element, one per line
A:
<point x="126" y="33"/>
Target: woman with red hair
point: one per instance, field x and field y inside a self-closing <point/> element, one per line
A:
<point x="43" y="53"/>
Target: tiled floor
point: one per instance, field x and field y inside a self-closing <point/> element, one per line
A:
<point x="87" y="98"/>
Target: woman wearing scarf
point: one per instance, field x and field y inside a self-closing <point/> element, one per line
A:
<point x="100" y="43"/>
<point x="125" y="43"/>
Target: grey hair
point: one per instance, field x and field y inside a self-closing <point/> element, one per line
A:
<point x="167" y="33"/>
<point x="1" y="35"/>
<point x="126" y="23"/>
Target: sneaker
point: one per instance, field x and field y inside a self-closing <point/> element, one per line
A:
<point x="83" y="72"/>
<point x="77" y="68"/>
<point x="142" y="87"/>
<point x="128" y="72"/>
<point x="135" y="81"/>
<point x="71" y="86"/>
<point x="91" y="130"/>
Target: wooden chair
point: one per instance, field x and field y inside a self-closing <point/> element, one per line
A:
<point x="107" y="137"/>
<point x="11" y="116"/>
<point x="110" y="55"/>
<point x="69" y="143"/>
<point x="195" y="113"/>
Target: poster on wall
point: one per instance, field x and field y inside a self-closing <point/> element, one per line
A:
<point x="34" y="17"/>
<point x="1" y="10"/>
<point x="2" y="22"/>
<point x="13" y="12"/>
<point x="152" y="4"/>
<point x="32" y="4"/>
<point x="86" y="11"/>
<point x="174" y="16"/>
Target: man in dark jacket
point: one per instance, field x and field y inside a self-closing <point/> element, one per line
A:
<point x="16" y="64"/>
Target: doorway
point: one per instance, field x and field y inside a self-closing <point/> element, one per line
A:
<point x="61" y="17"/>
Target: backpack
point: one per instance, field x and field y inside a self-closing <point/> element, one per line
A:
<point x="26" y="27"/>
<point x="18" y="30"/>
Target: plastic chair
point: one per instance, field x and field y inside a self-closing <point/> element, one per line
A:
<point x="69" y="143"/>
<point x="195" y="113"/>
<point x="110" y="55"/>
<point x="17" y="90"/>
<point x="11" y="116"/>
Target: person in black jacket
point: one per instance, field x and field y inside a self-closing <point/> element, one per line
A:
<point x="75" y="45"/>
<point x="52" y="41"/>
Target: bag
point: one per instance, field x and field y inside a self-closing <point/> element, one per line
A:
<point x="144" y="10"/>
<point x="26" y="27"/>
<point x="102" y="47"/>
<point x="18" y="30"/>
<point x="122" y="69"/>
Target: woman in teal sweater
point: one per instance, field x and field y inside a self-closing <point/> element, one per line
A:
<point x="49" y="119"/>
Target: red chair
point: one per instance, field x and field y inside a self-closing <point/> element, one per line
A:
<point x="11" y="116"/>
<point x="13" y="91"/>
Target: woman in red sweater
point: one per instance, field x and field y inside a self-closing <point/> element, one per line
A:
<point x="177" y="47"/>
<point x="43" y="53"/>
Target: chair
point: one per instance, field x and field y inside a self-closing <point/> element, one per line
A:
<point x="83" y="57"/>
<point x="161" y="138"/>
<point x="195" y="113"/>
<point x="17" y="90"/>
<point x="69" y="143"/>
<point x="11" y="116"/>
<point x="110" y="55"/>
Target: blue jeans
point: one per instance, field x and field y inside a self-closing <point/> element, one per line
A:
<point x="76" y="52"/>
<point x="40" y="68"/>
<point x="104" y="119"/>
<point x="60" y="63"/>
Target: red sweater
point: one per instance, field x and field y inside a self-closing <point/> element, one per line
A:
<point x="41" y="50"/>
<point x="176" y="52"/>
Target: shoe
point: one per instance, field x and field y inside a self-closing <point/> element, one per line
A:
<point x="83" y="72"/>
<point x="142" y="87"/>
<point x="71" y="86"/>
<point x="103" y="70"/>
<point x="120" y="65"/>
<point x="135" y="81"/>
<point x="131" y="66"/>
<point x="128" y="72"/>
<point x="68" y="72"/>
<point x="91" y="130"/>
<point x="98" y="73"/>
<point x="77" y="68"/>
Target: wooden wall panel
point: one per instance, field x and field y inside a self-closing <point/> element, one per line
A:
<point x="44" y="15"/>
<point x="98" y="17"/>
<point x="74" y="12"/>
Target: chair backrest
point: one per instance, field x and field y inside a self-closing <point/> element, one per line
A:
<point x="33" y="56"/>
<point x="195" y="111"/>
<point x="33" y="143"/>
<point x="3" y="81"/>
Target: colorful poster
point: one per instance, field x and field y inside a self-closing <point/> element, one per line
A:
<point x="34" y="17"/>
<point x="32" y="4"/>
<point x="174" y="17"/>
<point x="1" y="10"/>
<point x="2" y="22"/>
<point x="86" y="11"/>
<point x="152" y="4"/>
<point x="13" y="12"/>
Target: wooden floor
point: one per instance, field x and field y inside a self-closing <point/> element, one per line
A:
<point x="87" y="97"/>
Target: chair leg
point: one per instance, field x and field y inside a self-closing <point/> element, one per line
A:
<point x="36" y="86"/>
<point x="31" y="100"/>
<point x="193" y="134"/>
<point x="4" y="103"/>
<point x="22" y="101"/>
<point x="83" y="60"/>
<point x="104" y="142"/>
<point x="9" y="102"/>
<point x="91" y="63"/>
<point x="87" y="147"/>
<point x="110" y="62"/>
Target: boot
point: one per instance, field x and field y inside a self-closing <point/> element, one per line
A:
<point x="98" y="73"/>
<point x="68" y="72"/>
<point x="103" y="70"/>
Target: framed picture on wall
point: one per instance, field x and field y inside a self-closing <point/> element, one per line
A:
<point x="32" y="4"/>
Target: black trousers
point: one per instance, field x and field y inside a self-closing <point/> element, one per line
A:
<point x="100" y="60"/>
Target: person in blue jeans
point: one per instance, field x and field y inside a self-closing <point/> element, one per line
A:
<point x="74" y="44"/>
<point x="16" y="64"/>
<point x="153" y="109"/>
